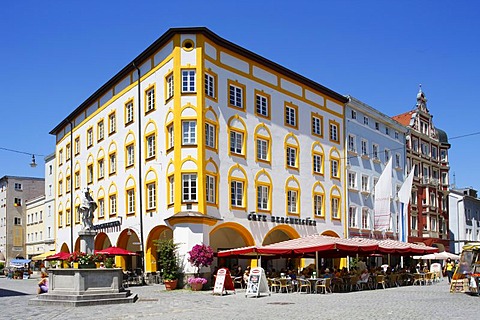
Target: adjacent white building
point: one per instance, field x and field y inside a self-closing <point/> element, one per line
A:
<point x="464" y="217"/>
<point x="371" y="139"/>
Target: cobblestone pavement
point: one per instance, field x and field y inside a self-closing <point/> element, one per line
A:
<point x="411" y="302"/>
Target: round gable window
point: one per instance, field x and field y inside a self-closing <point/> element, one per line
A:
<point x="188" y="45"/>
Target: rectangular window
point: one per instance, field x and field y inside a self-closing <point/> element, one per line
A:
<point x="318" y="205"/>
<point x="364" y="148"/>
<point x="351" y="143"/>
<point x="317" y="126"/>
<point x="317" y="164"/>
<point x="129" y="112"/>
<point x="60" y="187"/>
<point x="352" y="217"/>
<point x="414" y="223"/>
<point x="397" y="161"/>
<point x="396" y="135"/>
<point x="150" y="100"/>
<point x="188" y="81"/>
<point x="130" y="155"/>
<point x="352" y="180"/>
<point x="334" y="132"/>
<point x="17" y="202"/>
<point x="113" y="204"/>
<point x="151" y="196"/>
<point x="236" y="194"/>
<point x="236" y="96"/>
<point x="262" y="197"/>
<point x="262" y="149"/>
<point x="100" y="131"/>
<point x="377" y="126"/>
<point x="291" y="157"/>
<point x="68" y="184"/>
<point x="113" y="163"/>
<point x="334" y="169"/>
<point x="209" y="85"/>
<point x="375" y="151"/>
<point x="387" y="131"/>
<point x="189" y="135"/>
<point x="77" y="145"/>
<point x="171" y="185"/>
<point x="170" y="86"/>
<point x="89" y="137"/>
<point x="68" y="151"/>
<point x="364" y="183"/>
<point x="335" y="208"/>
<point x="131" y="201"/>
<point x="60" y="157"/>
<point x="101" y="169"/>
<point x="354" y="114"/>
<point x="170" y="137"/>
<point x="90" y="173"/>
<point x="210" y="191"/>
<point x="77" y="180"/>
<point x="290" y="116"/>
<point x="236" y="142"/>
<point x="387" y="155"/>
<point x="261" y="105"/>
<point x="210" y="135"/>
<point x="365" y="121"/>
<point x="365" y="219"/>
<point x="189" y="187"/>
<point x="434" y="153"/>
<point x="17" y="221"/>
<point x="112" y="123"/>
<point x="292" y="196"/>
<point x="18" y="186"/>
<point x="151" y="146"/>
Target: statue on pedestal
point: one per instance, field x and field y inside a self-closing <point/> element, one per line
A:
<point x="87" y="207"/>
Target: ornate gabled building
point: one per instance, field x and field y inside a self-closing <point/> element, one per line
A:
<point x="427" y="154"/>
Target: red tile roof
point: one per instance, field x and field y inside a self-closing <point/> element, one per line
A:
<point x="404" y="118"/>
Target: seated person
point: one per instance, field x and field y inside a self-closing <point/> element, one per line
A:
<point x="246" y="274"/>
<point x="43" y="284"/>
<point x="363" y="277"/>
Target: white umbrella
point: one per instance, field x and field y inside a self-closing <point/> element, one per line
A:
<point x="445" y="255"/>
<point x="438" y="256"/>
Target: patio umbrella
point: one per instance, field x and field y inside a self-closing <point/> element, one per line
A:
<point x="58" y="256"/>
<point x="115" y="251"/>
<point x="43" y="256"/>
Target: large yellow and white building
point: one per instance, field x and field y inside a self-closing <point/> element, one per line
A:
<point x="214" y="145"/>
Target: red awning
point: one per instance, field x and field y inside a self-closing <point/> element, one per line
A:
<point x="59" y="256"/>
<point x="115" y="251"/>
<point x="329" y="246"/>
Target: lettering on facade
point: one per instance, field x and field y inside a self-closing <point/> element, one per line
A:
<point x="284" y="220"/>
<point x="112" y="226"/>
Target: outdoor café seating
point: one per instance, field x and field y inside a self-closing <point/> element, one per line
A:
<point x="273" y="284"/>
<point x="380" y="280"/>
<point x="323" y="285"/>
<point x="285" y="285"/>
<point x="304" y="284"/>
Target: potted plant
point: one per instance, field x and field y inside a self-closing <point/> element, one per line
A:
<point x="201" y="255"/>
<point x="84" y="260"/>
<point x="169" y="262"/>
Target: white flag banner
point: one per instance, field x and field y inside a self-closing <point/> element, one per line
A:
<point x="383" y="196"/>
<point x="405" y="191"/>
<point x="404" y="195"/>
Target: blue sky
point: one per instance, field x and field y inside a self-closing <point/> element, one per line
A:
<point x="55" y="54"/>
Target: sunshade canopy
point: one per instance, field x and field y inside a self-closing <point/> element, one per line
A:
<point x="329" y="246"/>
<point x="59" y="256"/>
<point x="115" y="251"/>
<point x="43" y="256"/>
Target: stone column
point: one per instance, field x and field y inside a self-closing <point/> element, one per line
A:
<point x="87" y="241"/>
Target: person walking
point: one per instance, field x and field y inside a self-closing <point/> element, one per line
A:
<point x="450" y="268"/>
